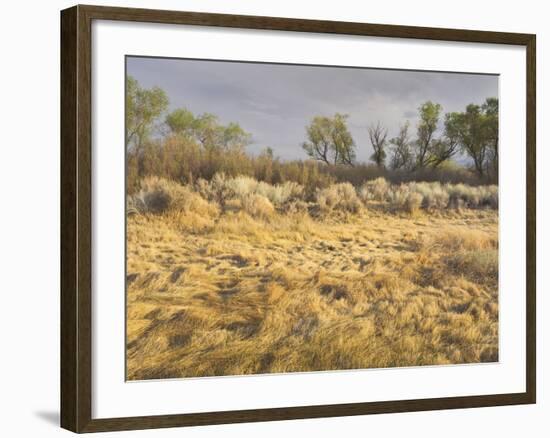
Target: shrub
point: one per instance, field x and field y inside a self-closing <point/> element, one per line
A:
<point x="364" y="193"/>
<point x="279" y="194"/>
<point x="296" y="207"/>
<point x="132" y="206"/>
<point x="403" y="198"/>
<point x="338" y="197"/>
<point x="257" y="206"/>
<point x="413" y="202"/>
<point x="397" y="196"/>
<point x="377" y="188"/>
<point x="204" y="188"/>
<point x="468" y="195"/>
<point x="433" y="194"/>
<point x="489" y="196"/>
<point x="480" y="266"/>
<point x="158" y="195"/>
<point x="327" y="198"/>
<point x="456" y="203"/>
<point x="221" y="189"/>
<point x="217" y="189"/>
<point x="153" y="201"/>
<point x="241" y="186"/>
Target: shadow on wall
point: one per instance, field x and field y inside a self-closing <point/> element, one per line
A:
<point x="51" y="417"/>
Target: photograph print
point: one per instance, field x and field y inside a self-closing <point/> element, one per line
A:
<point x="297" y="218"/>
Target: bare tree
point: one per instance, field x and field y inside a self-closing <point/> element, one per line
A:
<point x="378" y="135"/>
<point x="402" y="157"/>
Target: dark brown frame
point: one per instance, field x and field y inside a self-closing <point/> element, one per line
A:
<point x="76" y="238"/>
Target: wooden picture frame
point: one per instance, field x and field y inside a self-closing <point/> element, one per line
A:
<point x="76" y="218"/>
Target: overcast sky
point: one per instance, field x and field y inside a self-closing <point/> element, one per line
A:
<point x="274" y="102"/>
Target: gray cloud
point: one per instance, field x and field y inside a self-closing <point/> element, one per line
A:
<point x="275" y="102"/>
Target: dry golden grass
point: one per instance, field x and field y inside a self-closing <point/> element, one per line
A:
<point x="226" y="293"/>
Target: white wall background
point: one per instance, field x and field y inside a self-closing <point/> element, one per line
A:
<point x="29" y="216"/>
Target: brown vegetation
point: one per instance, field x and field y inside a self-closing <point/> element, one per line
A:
<point x="235" y="276"/>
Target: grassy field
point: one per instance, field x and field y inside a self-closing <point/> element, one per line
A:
<point x="244" y="286"/>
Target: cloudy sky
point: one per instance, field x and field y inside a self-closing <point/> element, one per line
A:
<point x="274" y="102"/>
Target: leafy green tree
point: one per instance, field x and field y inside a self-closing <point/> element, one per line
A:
<point x="320" y="145"/>
<point x="476" y="130"/>
<point x="378" y="135"/>
<point x="234" y="137"/>
<point x="342" y="140"/>
<point x="490" y="109"/>
<point x="402" y="156"/>
<point x="181" y="122"/>
<point x="330" y="140"/>
<point x="469" y="126"/>
<point x="429" y="113"/>
<point x="206" y="130"/>
<point x="431" y="150"/>
<point x="445" y="147"/>
<point x="143" y="107"/>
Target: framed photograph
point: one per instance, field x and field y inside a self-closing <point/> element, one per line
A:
<point x="271" y="218"/>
